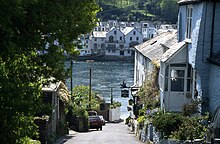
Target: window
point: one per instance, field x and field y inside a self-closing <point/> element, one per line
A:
<point x="189" y="21"/>
<point x="137" y="38"/>
<point x="130" y="38"/>
<point x="120" y="38"/>
<point x="95" y="39"/>
<point x="95" y="46"/>
<point x="134" y="32"/>
<point x="111" y="39"/>
<point x="102" y="46"/>
<point x="115" y="32"/>
<point x="177" y="80"/>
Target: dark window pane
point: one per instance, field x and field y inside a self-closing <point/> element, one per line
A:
<point x="188" y="84"/>
<point x="166" y="84"/>
<point x="177" y="85"/>
<point x="178" y="65"/>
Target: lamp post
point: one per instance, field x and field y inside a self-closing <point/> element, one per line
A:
<point x="134" y="91"/>
<point x="90" y="87"/>
<point x="71" y="79"/>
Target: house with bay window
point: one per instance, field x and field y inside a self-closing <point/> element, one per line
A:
<point x="190" y="69"/>
<point x="149" y="53"/>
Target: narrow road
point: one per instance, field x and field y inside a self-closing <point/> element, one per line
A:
<point x="112" y="133"/>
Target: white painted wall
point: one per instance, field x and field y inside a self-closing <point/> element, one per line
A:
<point x="114" y="114"/>
<point x="134" y="37"/>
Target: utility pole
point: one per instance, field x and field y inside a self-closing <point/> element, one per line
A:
<point x="111" y="95"/>
<point x="90" y="87"/>
<point x="71" y="79"/>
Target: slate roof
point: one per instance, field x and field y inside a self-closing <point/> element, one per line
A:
<point x="99" y="34"/>
<point x="172" y="50"/>
<point x="154" y="48"/>
<point x="126" y="30"/>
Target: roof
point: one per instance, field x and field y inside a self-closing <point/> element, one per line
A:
<point x="59" y="87"/>
<point x="127" y="30"/>
<point x="154" y="48"/>
<point x="172" y="50"/>
<point x="99" y="34"/>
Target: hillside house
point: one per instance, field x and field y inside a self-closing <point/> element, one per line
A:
<point x="98" y="39"/>
<point x="190" y="69"/>
<point x="149" y="53"/>
<point x="199" y="26"/>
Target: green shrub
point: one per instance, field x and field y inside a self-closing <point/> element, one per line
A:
<point x="141" y="120"/>
<point x="27" y="140"/>
<point x="167" y="122"/>
<point x="190" y="108"/>
<point x="115" y="105"/>
<point x="191" y="129"/>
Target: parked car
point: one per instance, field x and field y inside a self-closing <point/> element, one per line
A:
<point x="95" y="122"/>
<point x="103" y="120"/>
<point x="92" y="113"/>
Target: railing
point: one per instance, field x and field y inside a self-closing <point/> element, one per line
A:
<point x="115" y="41"/>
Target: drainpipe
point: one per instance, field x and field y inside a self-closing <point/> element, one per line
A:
<point x="212" y="32"/>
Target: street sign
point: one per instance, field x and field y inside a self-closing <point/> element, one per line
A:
<point x="124" y="93"/>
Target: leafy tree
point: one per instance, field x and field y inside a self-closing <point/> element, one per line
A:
<point x="169" y="10"/>
<point x="34" y="34"/>
<point x="81" y="98"/>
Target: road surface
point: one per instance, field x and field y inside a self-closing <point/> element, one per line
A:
<point x="112" y="133"/>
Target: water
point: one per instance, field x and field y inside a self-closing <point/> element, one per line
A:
<point x="104" y="76"/>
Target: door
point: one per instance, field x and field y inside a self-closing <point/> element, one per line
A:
<point x="177" y="88"/>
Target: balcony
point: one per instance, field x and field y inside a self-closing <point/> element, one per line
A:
<point x="110" y="41"/>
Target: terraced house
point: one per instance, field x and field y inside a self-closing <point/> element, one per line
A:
<point x="190" y="70"/>
<point x="189" y="65"/>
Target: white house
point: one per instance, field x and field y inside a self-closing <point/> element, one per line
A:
<point x="115" y="42"/>
<point x="98" y="42"/>
<point x="85" y="47"/>
<point x="132" y="37"/>
<point x="148" y="30"/>
<point x="149" y="53"/>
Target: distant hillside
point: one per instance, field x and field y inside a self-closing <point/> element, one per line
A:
<point x="139" y="10"/>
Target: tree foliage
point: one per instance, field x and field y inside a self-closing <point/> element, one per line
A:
<point x="81" y="98"/>
<point x="34" y="34"/>
<point x="139" y="10"/>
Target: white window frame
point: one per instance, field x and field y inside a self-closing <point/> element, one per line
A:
<point x="189" y="11"/>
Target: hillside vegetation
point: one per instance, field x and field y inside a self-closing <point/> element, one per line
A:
<point x="139" y="10"/>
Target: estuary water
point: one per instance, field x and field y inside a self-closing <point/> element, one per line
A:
<point x="104" y="76"/>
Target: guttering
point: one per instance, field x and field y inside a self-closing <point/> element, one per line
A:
<point x="185" y="2"/>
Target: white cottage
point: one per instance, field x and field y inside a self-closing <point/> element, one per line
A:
<point x="132" y="37"/>
<point x="98" y="42"/>
<point x="149" y="53"/>
<point x="115" y="42"/>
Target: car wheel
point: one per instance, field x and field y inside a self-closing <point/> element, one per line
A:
<point x="97" y="128"/>
<point x="101" y="128"/>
